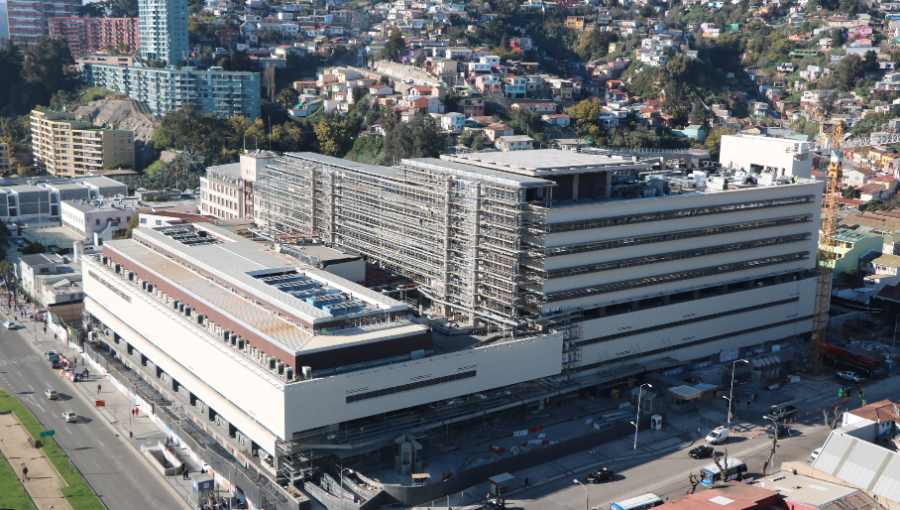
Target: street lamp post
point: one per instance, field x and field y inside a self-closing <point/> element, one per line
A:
<point x="585" y="493"/>
<point x="731" y="391"/>
<point x="341" y="476"/>
<point x="637" y="417"/>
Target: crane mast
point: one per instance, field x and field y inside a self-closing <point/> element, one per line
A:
<point x="826" y="253"/>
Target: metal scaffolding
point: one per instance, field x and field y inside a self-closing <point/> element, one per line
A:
<point x="460" y="237"/>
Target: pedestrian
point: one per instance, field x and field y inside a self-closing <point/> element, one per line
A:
<point x="698" y="431"/>
<point x="526" y="482"/>
<point x="137" y="411"/>
<point x="862" y="393"/>
<point x="25" y="472"/>
<point x="748" y="404"/>
<point x="98" y="389"/>
<point x="184" y="473"/>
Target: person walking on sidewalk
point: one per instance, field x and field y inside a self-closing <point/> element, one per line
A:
<point x="698" y="431"/>
<point x="25" y="472"/>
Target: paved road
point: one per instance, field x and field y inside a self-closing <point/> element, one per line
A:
<point x="117" y="473"/>
<point x="666" y="475"/>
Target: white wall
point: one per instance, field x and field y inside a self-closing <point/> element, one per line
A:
<point x="673" y="336"/>
<point x="742" y="151"/>
<point x="238" y="389"/>
<point x="320" y="402"/>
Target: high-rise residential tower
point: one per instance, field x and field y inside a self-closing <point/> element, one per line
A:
<point x="164" y="30"/>
<point x="28" y="19"/>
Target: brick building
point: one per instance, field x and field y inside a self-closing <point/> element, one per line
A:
<point x="91" y="35"/>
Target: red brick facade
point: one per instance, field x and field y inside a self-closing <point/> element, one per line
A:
<point x="92" y="35"/>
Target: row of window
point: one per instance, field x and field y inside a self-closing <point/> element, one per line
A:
<point x="673" y="236"/>
<point x="411" y="386"/>
<point x="668" y="349"/>
<point x="667" y="257"/>
<point x="674" y="215"/>
<point x="684" y="322"/>
<point x="675" y="277"/>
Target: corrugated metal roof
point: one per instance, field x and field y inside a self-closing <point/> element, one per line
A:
<point x="861" y="463"/>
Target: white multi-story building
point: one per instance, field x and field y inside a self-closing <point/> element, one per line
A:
<point x="222" y="191"/>
<point x="755" y="153"/>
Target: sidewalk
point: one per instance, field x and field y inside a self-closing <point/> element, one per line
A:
<point x="138" y="430"/>
<point x="44" y="483"/>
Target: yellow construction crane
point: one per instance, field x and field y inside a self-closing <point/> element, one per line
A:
<point x="832" y="144"/>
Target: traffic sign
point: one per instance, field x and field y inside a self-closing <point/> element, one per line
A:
<point x="48" y="433"/>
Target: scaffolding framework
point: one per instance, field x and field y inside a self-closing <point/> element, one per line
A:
<point x="460" y="238"/>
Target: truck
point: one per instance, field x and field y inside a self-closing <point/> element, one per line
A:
<point x="783" y="409"/>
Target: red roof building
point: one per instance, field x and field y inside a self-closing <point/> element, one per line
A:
<point x="732" y="496"/>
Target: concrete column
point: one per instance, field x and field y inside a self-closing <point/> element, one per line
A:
<point x="575" y="188"/>
<point x="662" y="163"/>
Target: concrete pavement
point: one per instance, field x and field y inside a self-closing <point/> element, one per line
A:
<point x="43" y="483"/>
<point x="118" y="475"/>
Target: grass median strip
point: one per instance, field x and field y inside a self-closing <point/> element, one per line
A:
<point x="79" y="494"/>
<point x="12" y="494"/>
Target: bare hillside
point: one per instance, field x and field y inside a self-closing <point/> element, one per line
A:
<point x="126" y="115"/>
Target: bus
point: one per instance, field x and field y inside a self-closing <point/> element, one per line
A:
<point x="639" y="503"/>
<point x="735" y="470"/>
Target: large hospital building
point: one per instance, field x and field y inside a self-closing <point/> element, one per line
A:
<point x="580" y="272"/>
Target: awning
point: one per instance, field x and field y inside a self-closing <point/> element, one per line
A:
<point x="685" y="392"/>
<point x="501" y="478"/>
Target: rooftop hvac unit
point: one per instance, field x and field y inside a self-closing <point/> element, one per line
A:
<point x="130" y="276"/>
<point x="175" y="304"/>
<point x="105" y="260"/>
<point x="199" y="318"/>
<point x="240" y="343"/>
<point x="144" y="285"/>
<point x="280" y="368"/>
<point x="226" y="334"/>
<point x="233" y="339"/>
<point x="271" y="363"/>
<point x="289" y="373"/>
<point x="181" y="307"/>
<point x="118" y="268"/>
<point x="150" y="288"/>
<point x="187" y="311"/>
<point x="307" y="372"/>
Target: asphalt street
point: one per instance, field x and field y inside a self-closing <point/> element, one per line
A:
<point x="667" y="475"/>
<point x="114" y="470"/>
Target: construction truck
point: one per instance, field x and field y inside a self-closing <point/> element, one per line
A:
<point x="783" y="409"/>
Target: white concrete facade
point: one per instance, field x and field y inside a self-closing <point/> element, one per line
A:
<point x="749" y="152"/>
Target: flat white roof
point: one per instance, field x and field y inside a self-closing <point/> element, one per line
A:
<point x="544" y="162"/>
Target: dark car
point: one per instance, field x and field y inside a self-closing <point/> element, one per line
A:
<point x="781" y="430"/>
<point x="600" y="475"/>
<point x="702" y="451"/>
<point x="494" y="504"/>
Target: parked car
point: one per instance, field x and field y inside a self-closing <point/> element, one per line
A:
<point x="701" y="452"/>
<point x="816" y="452"/>
<point x="601" y="475"/>
<point x="49" y="355"/>
<point x="9" y="325"/>
<point x="781" y="430"/>
<point x="718" y="435"/>
<point x="494" y="504"/>
<point x="51" y="394"/>
<point x="70" y="417"/>
<point x="850" y="376"/>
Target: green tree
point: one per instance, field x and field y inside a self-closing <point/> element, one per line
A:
<point x="702" y="117"/>
<point x="466" y="137"/>
<point x="33" y="248"/>
<point x="237" y="61"/>
<point x="197" y="30"/>
<point x="45" y="68"/>
<point x="478" y="143"/>
<point x="419" y="138"/>
<point x="335" y="136"/>
<point x="586" y="118"/>
<point x="394" y="45"/>
<point x="420" y="61"/>
<point x="713" y="141"/>
<point x="647" y="11"/>
<point x="11" y="86"/>
<point x="876" y="205"/>
<point x="451" y="100"/>
<point x="850" y="193"/>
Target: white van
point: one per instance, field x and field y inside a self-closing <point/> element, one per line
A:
<point x="718" y="436"/>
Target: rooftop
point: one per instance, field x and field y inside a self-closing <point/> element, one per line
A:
<point x="731" y="496"/>
<point x="230" y="169"/>
<point x="852" y="236"/>
<point x="543" y="162"/>
<point x="811" y="492"/>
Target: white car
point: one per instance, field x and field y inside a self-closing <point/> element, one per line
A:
<point x="9" y="325"/>
<point x="718" y="435"/>
<point x="70" y="417"/>
<point x="816" y="452"/>
<point x="850" y="376"/>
